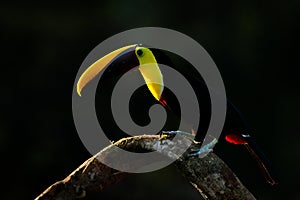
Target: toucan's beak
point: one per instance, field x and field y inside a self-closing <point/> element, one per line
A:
<point x="147" y="65"/>
<point x="98" y="66"/>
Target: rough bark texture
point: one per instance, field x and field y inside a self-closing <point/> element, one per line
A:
<point x="209" y="175"/>
<point x="213" y="178"/>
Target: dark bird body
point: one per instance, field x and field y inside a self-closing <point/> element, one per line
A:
<point x="235" y="130"/>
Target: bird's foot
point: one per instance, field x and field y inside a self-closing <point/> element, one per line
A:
<point x="200" y="152"/>
<point x="203" y="151"/>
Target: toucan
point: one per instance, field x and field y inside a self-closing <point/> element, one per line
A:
<point x="146" y="61"/>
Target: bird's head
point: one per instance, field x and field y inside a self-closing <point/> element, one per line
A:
<point x="146" y="64"/>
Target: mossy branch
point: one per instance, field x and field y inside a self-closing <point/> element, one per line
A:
<point x="209" y="175"/>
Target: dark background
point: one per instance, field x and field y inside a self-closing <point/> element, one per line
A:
<point x="43" y="45"/>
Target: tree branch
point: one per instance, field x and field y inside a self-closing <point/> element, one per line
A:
<point x="209" y="175"/>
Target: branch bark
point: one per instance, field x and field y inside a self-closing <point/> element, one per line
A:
<point x="209" y="175"/>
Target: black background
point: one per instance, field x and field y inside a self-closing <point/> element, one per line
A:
<point x="253" y="43"/>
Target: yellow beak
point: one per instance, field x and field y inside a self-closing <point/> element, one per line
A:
<point x="97" y="67"/>
<point x="147" y="65"/>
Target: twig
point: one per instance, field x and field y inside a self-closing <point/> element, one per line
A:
<point x="209" y="175"/>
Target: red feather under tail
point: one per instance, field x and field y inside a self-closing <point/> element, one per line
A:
<point x="256" y="153"/>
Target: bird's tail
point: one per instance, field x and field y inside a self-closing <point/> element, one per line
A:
<point x="262" y="161"/>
